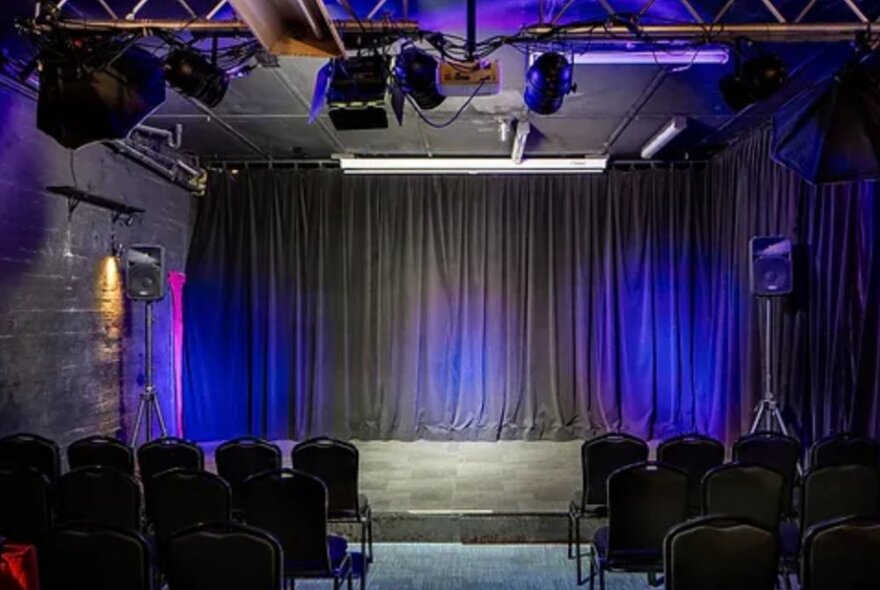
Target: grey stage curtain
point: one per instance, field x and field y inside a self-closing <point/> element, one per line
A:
<point x="526" y="307"/>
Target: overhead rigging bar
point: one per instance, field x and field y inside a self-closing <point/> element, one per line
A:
<point x="777" y="32"/>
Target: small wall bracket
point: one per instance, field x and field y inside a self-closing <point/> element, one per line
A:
<point x="120" y="211"/>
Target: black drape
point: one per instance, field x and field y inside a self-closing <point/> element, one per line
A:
<point x="486" y="307"/>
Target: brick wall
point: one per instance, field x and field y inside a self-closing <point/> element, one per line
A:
<point x="71" y="345"/>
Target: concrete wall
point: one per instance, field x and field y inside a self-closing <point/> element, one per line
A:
<point x="71" y="345"/>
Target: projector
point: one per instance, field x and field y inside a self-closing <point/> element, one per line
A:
<point x="482" y="78"/>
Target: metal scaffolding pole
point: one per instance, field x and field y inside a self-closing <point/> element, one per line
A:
<point x="778" y="32"/>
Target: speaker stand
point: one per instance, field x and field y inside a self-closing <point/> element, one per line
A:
<point x="149" y="401"/>
<point x="767" y="414"/>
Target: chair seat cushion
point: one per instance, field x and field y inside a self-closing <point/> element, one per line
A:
<point x="337" y="548"/>
<point x="648" y="560"/>
<point x="789" y="539"/>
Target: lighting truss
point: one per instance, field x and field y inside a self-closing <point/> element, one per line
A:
<point x="699" y="27"/>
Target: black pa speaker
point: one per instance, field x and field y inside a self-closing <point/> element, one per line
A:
<point x="771" y="270"/>
<point x="145" y="272"/>
<point x="79" y="105"/>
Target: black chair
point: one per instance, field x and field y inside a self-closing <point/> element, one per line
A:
<point x="88" y="555"/>
<point x="99" y="494"/>
<point x="168" y="453"/>
<point x="181" y="498"/>
<point x="292" y="506"/>
<point x="224" y="556"/>
<point x="644" y="502"/>
<point x="600" y="457"/>
<point x="31" y="450"/>
<point x="829" y="493"/>
<point x="337" y="464"/>
<point x="845" y="449"/>
<point x="842" y="555"/>
<point x="240" y="458"/>
<point x="694" y="454"/>
<point x="744" y="491"/>
<point x="720" y="553"/>
<point x="774" y="451"/>
<point x="101" y="451"/>
<point x="25" y="504"/>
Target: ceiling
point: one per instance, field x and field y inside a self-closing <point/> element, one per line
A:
<point x="615" y="110"/>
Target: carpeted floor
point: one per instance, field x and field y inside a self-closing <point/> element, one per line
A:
<point x="421" y="566"/>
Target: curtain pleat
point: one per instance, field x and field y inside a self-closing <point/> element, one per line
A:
<point x="524" y="307"/>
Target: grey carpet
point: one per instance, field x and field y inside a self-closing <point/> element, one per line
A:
<point x="422" y="566"/>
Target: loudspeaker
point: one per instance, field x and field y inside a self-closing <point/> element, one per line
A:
<point x="145" y="272"/>
<point x="771" y="269"/>
<point x="80" y="105"/>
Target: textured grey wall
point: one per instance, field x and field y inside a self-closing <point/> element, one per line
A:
<point x="71" y="345"/>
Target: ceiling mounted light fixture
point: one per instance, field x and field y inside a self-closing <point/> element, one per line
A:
<point x="682" y="56"/>
<point x="416" y="74"/>
<point x="192" y="75"/>
<point x="355" y="165"/>
<point x="548" y="80"/>
<point x="755" y="80"/>
<point x="670" y="131"/>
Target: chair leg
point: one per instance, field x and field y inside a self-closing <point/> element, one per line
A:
<point x="364" y="557"/>
<point x="370" y="531"/>
<point x="570" y="535"/>
<point x="580" y="568"/>
<point x="601" y="577"/>
<point x="592" y="572"/>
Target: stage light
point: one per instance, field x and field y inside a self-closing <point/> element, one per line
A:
<point x="764" y="75"/>
<point x="757" y="79"/>
<point x="416" y="73"/>
<point x="194" y="76"/>
<point x="548" y="81"/>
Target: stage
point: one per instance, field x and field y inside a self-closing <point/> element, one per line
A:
<point x="480" y="492"/>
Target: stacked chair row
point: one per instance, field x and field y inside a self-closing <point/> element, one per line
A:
<point x="690" y="500"/>
<point x="197" y="522"/>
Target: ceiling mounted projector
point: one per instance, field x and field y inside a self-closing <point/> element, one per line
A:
<point x="291" y="27"/>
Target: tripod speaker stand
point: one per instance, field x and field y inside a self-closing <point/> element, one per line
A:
<point x="145" y="281"/>
<point x="149" y="402"/>
<point x="767" y="414"/>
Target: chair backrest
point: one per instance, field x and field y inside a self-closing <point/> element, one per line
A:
<point x="87" y="555"/>
<point x="99" y="494"/>
<point x="845" y="449"/>
<point x="773" y="451"/>
<point x="335" y="463"/>
<point x="744" y="491"/>
<point x="31" y="450"/>
<point x="168" y="453"/>
<point x="292" y="506"/>
<point x="645" y="500"/>
<point x="25" y="505"/>
<point x="224" y="556"/>
<point x="838" y="491"/>
<point x="694" y="454"/>
<point x="842" y="555"/>
<point x="602" y="456"/>
<point x="181" y="498"/>
<point x="240" y="458"/>
<point x="101" y="451"/>
<point x="720" y="552"/>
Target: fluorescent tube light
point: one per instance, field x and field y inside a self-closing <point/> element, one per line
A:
<point x="669" y="132"/>
<point x="660" y="56"/>
<point x="353" y="165"/>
